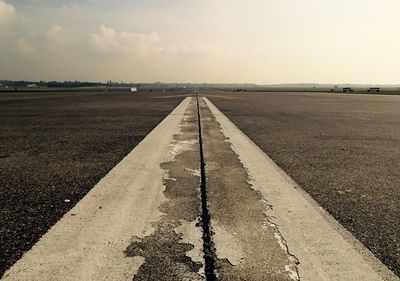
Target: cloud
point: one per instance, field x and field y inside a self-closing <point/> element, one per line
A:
<point x="7" y="13"/>
<point x="55" y="41"/>
<point x="57" y="35"/>
<point x="139" y="44"/>
<point x="194" y="49"/>
<point x="146" y="44"/>
<point x="24" y="47"/>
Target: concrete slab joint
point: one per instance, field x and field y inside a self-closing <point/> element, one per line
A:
<point x="247" y="245"/>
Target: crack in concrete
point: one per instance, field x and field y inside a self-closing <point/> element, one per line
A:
<point x="293" y="268"/>
<point x="208" y="245"/>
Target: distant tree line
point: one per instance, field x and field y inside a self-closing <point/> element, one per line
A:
<point x="62" y="84"/>
<point x="155" y="85"/>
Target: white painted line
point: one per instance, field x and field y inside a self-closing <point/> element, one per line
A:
<point x="326" y="250"/>
<point x="88" y="243"/>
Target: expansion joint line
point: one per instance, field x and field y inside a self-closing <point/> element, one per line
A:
<point x="208" y="245"/>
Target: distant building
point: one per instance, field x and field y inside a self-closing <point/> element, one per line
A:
<point x="32" y="86"/>
<point x="374" y="90"/>
<point x="348" y="90"/>
<point x="134" y="89"/>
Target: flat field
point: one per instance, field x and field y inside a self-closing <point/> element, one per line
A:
<point x="54" y="147"/>
<point x="343" y="149"/>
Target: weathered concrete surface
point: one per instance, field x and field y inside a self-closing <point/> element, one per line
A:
<point x="325" y="250"/>
<point x="166" y="250"/>
<point x="247" y="246"/>
<point x="129" y="219"/>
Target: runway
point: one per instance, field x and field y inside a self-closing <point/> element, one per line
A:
<point x="196" y="199"/>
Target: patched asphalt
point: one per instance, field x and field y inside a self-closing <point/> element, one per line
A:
<point x="56" y="146"/>
<point x="342" y="149"/>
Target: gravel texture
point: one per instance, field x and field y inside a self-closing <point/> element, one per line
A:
<point x="54" y="147"/>
<point x="343" y="149"/>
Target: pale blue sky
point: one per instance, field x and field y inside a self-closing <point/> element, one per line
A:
<point x="261" y="41"/>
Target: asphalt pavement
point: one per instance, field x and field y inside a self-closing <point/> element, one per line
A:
<point x="196" y="199"/>
<point x="56" y="146"/>
<point x="343" y="149"/>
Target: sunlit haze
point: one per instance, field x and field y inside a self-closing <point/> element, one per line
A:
<point x="257" y="41"/>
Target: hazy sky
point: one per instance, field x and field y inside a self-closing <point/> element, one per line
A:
<point x="261" y="41"/>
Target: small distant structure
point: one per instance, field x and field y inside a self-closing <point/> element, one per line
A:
<point x="32" y="86"/>
<point x="348" y="90"/>
<point x="374" y="90"/>
<point x="133" y="89"/>
<point x="196" y="92"/>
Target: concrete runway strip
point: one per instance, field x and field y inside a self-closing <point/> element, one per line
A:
<point x="146" y="219"/>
